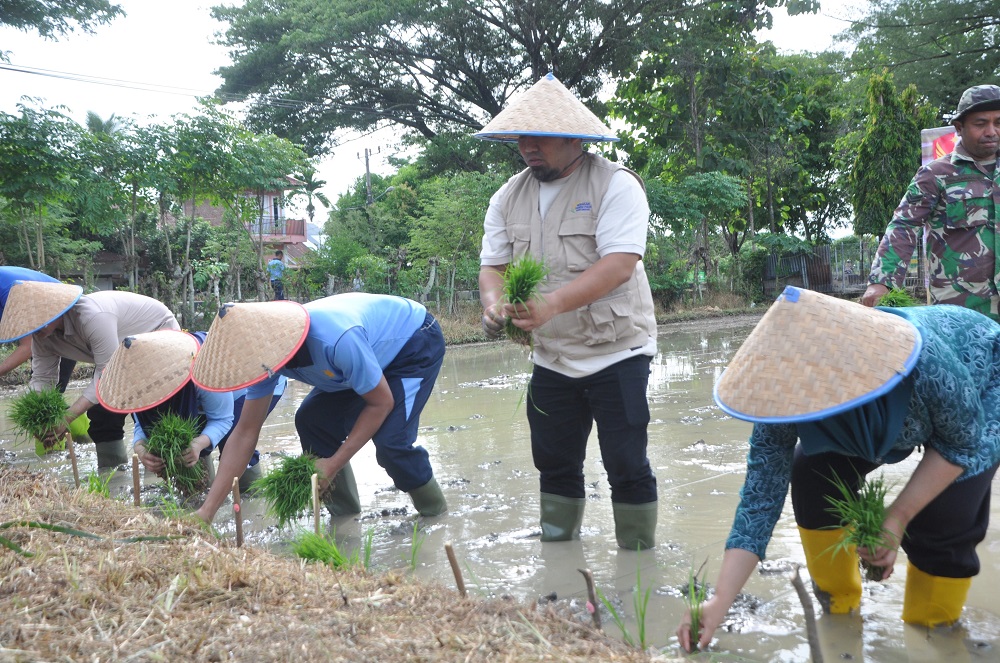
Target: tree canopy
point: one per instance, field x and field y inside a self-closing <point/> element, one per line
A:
<point x="54" y="18"/>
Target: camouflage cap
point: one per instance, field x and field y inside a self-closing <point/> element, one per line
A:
<point x="977" y="98"/>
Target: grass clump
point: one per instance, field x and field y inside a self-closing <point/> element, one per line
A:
<point x="318" y="548"/>
<point x="287" y="489"/>
<point x="695" y="595"/>
<point x="520" y="285"/>
<point x="98" y="485"/>
<point x="896" y="298"/>
<point x="36" y="414"/>
<point x="862" y="513"/>
<point x="168" y="439"/>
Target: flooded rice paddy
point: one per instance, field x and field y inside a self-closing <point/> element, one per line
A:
<point x="476" y="432"/>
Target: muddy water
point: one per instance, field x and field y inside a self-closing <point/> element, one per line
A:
<point x="475" y="430"/>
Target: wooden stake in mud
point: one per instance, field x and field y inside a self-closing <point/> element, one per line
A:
<point x="454" y="568"/>
<point x="315" y="490"/>
<point x="592" y="604"/>
<point x="135" y="479"/>
<point x="72" y="459"/>
<point x="237" y="512"/>
<point x="815" y="651"/>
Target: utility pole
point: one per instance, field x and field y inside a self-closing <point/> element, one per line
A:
<point x="369" y="199"/>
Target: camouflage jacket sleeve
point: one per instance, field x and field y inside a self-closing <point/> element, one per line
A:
<point x="902" y="236"/>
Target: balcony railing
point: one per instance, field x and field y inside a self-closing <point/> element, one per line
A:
<point x="269" y="226"/>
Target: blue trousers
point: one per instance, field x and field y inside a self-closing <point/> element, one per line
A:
<point x="561" y="413"/>
<point x="237" y="411"/>
<point x="324" y="419"/>
<point x="941" y="540"/>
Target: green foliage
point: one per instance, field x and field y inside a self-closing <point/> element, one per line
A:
<point x="640" y="602"/>
<point x="898" y="297"/>
<point x="168" y="439"/>
<point x="287" y="489"/>
<point x="374" y="272"/>
<point x="863" y="514"/>
<point x="416" y="543"/>
<point x="888" y="155"/>
<point x="520" y="285"/>
<point x="55" y="19"/>
<point x="36" y="414"/>
<point x="694" y="597"/>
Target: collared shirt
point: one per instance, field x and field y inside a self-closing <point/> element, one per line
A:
<point x="275" y="268"/>
<point x="91" y="332"/>
<point x="216" y="406"/>
<point x="352" y="337"/>
<point x="954" y="409"/>
<point x="957" y="200"/>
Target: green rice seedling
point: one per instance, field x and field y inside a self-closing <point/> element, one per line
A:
<point x="36" y="414"/>
<point x="98" y="485"/>
<point x="862" y="514"/>
<point x="287" y="489"/>
<point x="520" y="285"/>
<point x="897" y="297"/>
<point x="169" y="438"/>
<point x="416" y="543"/>
<point x="319" y="548"/>
<point x="367" y="543"/>
<point x="640" y="601"/>
<point x="616" y="616"/>
<point x="695" y="595"/>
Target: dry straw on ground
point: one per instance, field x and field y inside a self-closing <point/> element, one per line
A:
<point x="193" y="597"/>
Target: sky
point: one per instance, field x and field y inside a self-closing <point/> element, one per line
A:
<point x="155" y="62"/>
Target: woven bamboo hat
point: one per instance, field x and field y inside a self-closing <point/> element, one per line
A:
<point x="547" y="108"/>
<point x="249" y="342"/>
<point x="812" y="356"/>
<point x="146" y="370"/>
<point x="33" y="304"/>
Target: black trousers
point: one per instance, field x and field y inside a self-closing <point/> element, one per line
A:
<point x="941" y="540"/>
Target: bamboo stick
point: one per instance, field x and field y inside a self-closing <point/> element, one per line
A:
<point x="592" y="604"/>
<point x="237" y="512"/>
<point x="816" y="652"/>
<point x="72" y="458"/>
<point x="135" y="479"/>
<point x="315" y="495"/>
<point x="455" y="569"/>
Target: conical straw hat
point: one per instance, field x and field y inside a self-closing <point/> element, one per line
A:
<point x="812" y="356"/>
<point x="249" y="342"/>
<point x="547" y="108"/>
<point x="146" y="370"/>
<point x="33" y="304"/>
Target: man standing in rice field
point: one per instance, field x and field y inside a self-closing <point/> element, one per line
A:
<point x="956" y="198"/>
<point x="593" y="328"/>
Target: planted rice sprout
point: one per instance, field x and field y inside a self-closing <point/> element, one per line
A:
<point x="862" y="513"/>
<point x="287" y="489"/>
<point x="168" y="439"/>
<point x="320" y="548"/>
<point x="520" y="285"/>
<point x="36" y="414"/>
<point x="695" y="595"/>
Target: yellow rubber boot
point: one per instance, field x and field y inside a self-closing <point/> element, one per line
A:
<point x="933" y="600"/>
<point x="836" y="577"/>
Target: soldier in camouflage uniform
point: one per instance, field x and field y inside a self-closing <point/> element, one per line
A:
<point x="956" y="197"/>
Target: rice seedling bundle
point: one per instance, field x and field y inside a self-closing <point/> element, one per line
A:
<point x="169" y="438"/>
<point x="862" y="514"/>
<point x="318" y="548"/>
<point x="36" y="414"/>
<point x="520" y="285"/>
<point x="287" y="489"/>
<point x="897" y="297"/>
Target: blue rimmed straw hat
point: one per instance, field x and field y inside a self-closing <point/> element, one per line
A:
<point x="813" y="356"/>
<point x="146" y="370"/>
<point x="248" y="342"/>
<point x="547" y="108"/>
<point x="33" y="304"/>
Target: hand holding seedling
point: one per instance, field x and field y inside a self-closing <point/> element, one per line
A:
<point x="193" y="453"/>
<point x="151" y="462"/>
<point x="493" y="321"/>
<point x="884" y="555"/>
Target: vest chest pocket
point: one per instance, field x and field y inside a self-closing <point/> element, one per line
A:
<point x="519" y="235"/>
<point x="968" y="202"/>
<point x="578" y="237"/>
<point x="608" y="320"/>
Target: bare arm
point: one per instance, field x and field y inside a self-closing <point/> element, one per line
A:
<point x="378" y="404"/>
<point x="21" y="354"/>
<point x="490" y="294"/>
<point x="737" y="565"/>
<point x="239" y="448"/>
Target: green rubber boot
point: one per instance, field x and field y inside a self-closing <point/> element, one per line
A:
<point x="635" y="525"/>
<point x="341" y="499"/>
<point x="428" y="499"/>
<point x="111" y="454"/>
<point x="561" y="517"/>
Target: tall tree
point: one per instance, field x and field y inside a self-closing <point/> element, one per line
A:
<point x="889" y="153"/>
<point x="941" y="46"/>
<point x="310" y="69"/>
<point x="52" y="19"/>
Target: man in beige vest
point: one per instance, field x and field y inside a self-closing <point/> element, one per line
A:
<point x="592" y="327"/>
